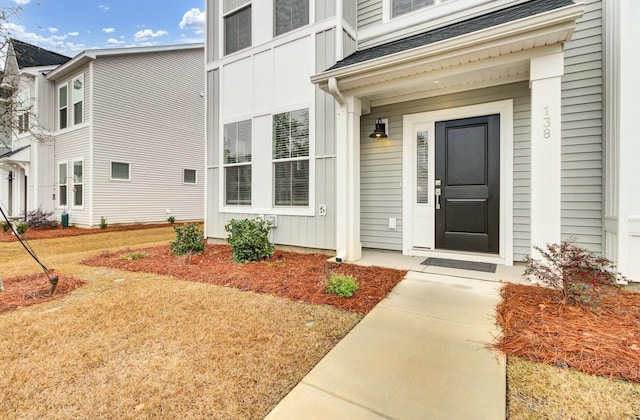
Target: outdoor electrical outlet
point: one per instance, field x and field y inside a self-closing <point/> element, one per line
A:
<point x="322" y="210"/>
<point x="393" y="225"/>
<point x="168" y="211"/>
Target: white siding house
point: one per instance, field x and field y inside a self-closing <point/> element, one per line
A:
<point x="126" y="136"/>
<point x="507" y="125"/>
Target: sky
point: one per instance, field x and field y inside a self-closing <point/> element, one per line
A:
<point x="69" y="27"/>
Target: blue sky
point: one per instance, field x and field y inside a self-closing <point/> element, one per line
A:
<point x="71" y="26"/>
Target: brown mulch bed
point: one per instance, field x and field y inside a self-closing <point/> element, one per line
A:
<point x="600" y="339"/>
<point x="33" y="288"/>
<point x="60" y="232"/>
<point x="291" y="275"/>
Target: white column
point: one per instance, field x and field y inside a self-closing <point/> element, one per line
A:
<point x="348" y="246"/>
<point x="546" y="111"/>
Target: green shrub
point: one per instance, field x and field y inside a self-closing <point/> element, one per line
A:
<point x="189" y="240"/>
<point x="134" y="255"/>
<point x="341" y="285"/>
<point x="171" y="219"/>
<point x="103" y="223"/>
<point x="249" y="239"/>
<point x="21" y="228"/>
<point x="575" y="271"/>
<point x="5" y="226"/>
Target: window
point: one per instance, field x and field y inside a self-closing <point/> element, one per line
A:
<point x="291" y="158"/>
<point x="62" y="184"/>
<point x="189" y="176"/>
<point x="62" y="107"/>
<point x="77" y="183"/>
<point x="237" y="163"/>
<point x="400" y="7"/>
<point x="78" y="97"/>
<point x="237" y="30"/>
<point x="23" y="108"/>
<point x="422" y="165"/>
<point x="290" y="14"/>
<point x="120" y="171"/>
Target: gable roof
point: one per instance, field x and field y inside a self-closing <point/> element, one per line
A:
<point x="509" y="14"/>
<point x="28" y="55"/>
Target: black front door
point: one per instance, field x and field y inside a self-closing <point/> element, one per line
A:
<point x="468" y="173"/>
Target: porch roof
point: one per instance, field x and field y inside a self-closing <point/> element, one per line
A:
<point x="16" y="155"/>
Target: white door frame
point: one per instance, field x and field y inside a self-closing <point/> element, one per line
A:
<point x="413" y="214"/>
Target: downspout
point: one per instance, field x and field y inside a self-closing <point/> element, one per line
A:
<point x="334" y="89"/>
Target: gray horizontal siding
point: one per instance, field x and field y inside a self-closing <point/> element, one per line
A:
<point x="369" y="13"/>
<point x="582" y="125"/>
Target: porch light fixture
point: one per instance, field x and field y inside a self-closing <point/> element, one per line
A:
<point x="381" y="130"/>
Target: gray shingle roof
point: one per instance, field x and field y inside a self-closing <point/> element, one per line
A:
<point x="29" y="55"/>
<point x="488" y="20"/>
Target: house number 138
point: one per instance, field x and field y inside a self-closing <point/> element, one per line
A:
<point x="546" y="123"/>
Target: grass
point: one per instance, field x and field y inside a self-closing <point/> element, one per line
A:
<point x="141" y="345"/>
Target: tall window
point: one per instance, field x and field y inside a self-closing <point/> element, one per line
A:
<point x="290" y="14"/>
<point x="62" y="184"/>
<point x="77" y="183"/>
<point x="291" y="158"/>
<point x="400" y="7"/>
<point x="78" y="97"/>
<point x="237" y="163"/>
<point x="422" y="165"/>
<point x="237" y="30"/>
<point x="23" y="108"/>
<point x="120" y="171"/>
<point x="62" y="107"/>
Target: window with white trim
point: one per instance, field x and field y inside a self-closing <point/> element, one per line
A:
<point x="289" y="15"/>
<point x="23" y="109"/>
<point x="120" y="171"/>
<point x="77" y="97"/>
<point x="62" y="184"/>
<point x="400" y="7"/>
<point x="78" y="182"/>
<point x="62" y="106"/>
<point x="237" y="29"/>
<point x="291" y="158"/>
<point x="237" y="163"/>
<point x="189" y="176"/>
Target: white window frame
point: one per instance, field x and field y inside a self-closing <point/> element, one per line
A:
<point x="65" y="107"/>
<point x="75" y="101"/>
<point x="184" y="176"/>
<point x="440" y="9"/>
<point x="234" y="11"/>
<point x="119" y="179"/>
<point x="23" y="109"/>
<point x="76" y="184"/>
<point x="226" y="166"/>
<point x="275" y="18"/>
<point x="307" y="158"/>
<point x="62" y="181"/>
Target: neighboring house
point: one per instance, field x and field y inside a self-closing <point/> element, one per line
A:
<point x="127" y="130"/>
<point x="502" y="128"/>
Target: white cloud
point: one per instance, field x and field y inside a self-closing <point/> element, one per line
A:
<point x="192" y="19"/>
<point x="54" y="43"/>
<point x="22" y="1"/>
<point x="148" y="33"/>
<point x="114" y="42"/>
<point x="72" y="33"/>
<point x="102" y="6"/>
<point x="108" y="30"/>
<point x="53" y="30"/>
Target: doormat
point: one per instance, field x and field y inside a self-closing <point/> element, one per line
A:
<point x="463" y="265"/>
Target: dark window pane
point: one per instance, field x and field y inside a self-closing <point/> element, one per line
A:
<point x="119" y="170"/>
<point x="189" y="176"/>
<point x="238" y="185"/>
<point x="77" y="195"/>
<point x="63" y="118"/>
<point x="292" y="183"/>
<point x="63" y="195"/>
<point x="77" y="113"/>
<point x="237" y="30"/>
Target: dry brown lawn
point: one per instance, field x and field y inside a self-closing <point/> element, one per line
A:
<point x="143" y="345"/>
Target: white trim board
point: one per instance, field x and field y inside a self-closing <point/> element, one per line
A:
<point x="426" y="121"/>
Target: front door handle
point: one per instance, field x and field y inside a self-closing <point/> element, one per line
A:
<point x="438" y="194"/>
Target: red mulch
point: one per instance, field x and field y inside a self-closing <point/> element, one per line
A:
<point x="600" y="339"/>
<point x="291" y="275"/>
<point x="60" y="232"/>
<point x="33" y="288"/>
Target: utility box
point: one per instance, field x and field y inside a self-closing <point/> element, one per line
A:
<point x="64" y="219"/>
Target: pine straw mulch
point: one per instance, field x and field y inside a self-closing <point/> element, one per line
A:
<point x="60" y="232"/>
<point x="291" y="275"/>
<point x="33" y="288"/>
<point x="601" y="339"/>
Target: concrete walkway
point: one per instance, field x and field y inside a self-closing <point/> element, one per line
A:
<point x="419" y="354"/>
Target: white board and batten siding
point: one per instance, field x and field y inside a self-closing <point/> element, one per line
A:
<point x="148" y="111"/>
<point x="72" y="145"/>
<point x="381" y="164"/>
<point x="582" y="131"/>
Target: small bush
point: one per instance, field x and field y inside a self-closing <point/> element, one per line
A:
<point x="341" y="285"/>
<point x="40" y="219"/>
<point x="103" y="223"/>
<point x="22" y="228"/>
<point x="249" y="239"/>
<point x="189" y="240"/>
<point x="171" y="219"/>
<point x="575" y="271"/>
<point x="134" y="255"/>
<point x="5" y="226"/>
